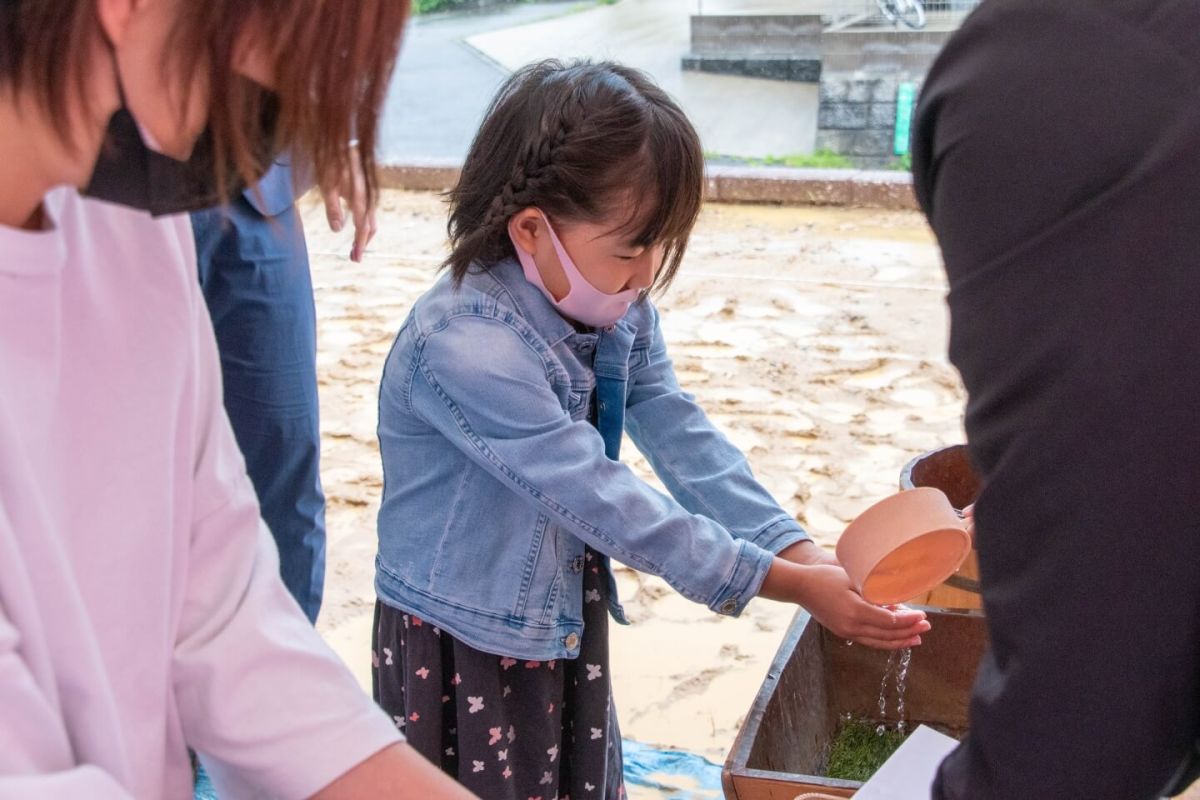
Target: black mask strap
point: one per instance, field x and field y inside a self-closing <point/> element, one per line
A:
<point x="131" y="173"/>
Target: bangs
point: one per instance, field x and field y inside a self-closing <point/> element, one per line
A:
<point x="584" y="141"/>
<point x="665" y="191"/>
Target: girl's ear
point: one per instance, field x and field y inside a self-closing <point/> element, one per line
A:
<point x="525" y="228"/>
<point x="114" y="16"/>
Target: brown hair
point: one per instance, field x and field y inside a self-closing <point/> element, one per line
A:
<point x="332" y="60"/>
<point x="578" y="141"/>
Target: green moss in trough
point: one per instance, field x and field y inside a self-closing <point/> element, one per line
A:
<point x="858" y="751"/>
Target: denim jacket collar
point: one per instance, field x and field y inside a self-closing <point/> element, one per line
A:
<point x="508" y="276"/>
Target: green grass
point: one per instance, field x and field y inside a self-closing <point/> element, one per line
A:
<point x="821" y="159"/>
<point x="858" y="751"/>
<point x="434" y="6"/>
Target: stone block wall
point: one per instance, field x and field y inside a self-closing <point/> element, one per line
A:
<point x="857" y="116"/>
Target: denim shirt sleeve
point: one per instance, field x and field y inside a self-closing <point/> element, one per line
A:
<point x="483" y="384"/>
<point x="703" y="470"/>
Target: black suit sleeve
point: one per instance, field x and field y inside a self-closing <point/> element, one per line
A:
<point x="1057" y="156"/>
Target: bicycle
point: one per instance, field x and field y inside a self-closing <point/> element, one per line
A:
<point x="909" y="12"/>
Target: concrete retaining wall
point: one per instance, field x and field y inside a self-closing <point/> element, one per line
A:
<point x="861" y="72"/>
<point x="773" y="46"/>
<point x="858" y="70"/>
<point x="757" y="34"/>
<point x="890" y="190"/>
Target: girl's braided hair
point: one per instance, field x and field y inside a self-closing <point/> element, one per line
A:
<point x="582" y="142"/>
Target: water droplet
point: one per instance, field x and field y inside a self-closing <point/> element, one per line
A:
<point x="887" y="673"/>
<point x="902" y="684"/>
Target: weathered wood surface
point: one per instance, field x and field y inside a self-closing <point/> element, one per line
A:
<point x="815" y="678"/>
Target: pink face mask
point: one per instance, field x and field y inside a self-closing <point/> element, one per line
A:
<point x="583" y="302"/>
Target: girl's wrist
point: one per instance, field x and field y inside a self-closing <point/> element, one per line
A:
<point x="785" y="581"/>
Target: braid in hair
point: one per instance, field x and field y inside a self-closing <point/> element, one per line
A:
<point x="582" y="142"/>
<point x="478" y="232"/>
<point x="531" y="174"/>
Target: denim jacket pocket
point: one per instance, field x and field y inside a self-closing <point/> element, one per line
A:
<point x="577" y="402"/>
<point x="541" y="580"/>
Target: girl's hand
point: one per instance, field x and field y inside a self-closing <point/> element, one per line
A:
<point x="968" y="514"/>
<point x="808" y="552"/>
<point x="826" y="592"/>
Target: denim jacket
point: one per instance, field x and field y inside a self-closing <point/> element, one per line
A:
<point x="496" y="478"/>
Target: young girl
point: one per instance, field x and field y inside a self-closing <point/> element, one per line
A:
<point x="501" y="413"/>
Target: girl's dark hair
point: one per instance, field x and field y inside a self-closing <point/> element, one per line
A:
<point x="580" y="141"/>
<point x="332" y="60"/>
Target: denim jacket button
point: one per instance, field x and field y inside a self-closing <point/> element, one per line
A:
<point x="577" y="564"/>
<point x="729" y="606"/>
<point x="572" y="641"/>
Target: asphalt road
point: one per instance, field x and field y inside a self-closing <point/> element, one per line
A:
<point x="442" y="85"/>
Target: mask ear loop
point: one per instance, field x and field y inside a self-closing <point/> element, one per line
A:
<point x="112" y="53"/>
<point x="122" y="104"/>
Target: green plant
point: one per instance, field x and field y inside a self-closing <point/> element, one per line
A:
<point x="902" y="164"/>
<point x="821" y="159"/>
<point x="858" y="750"/>
<point x="430" y="6"/>
<point x="433" y="6"/>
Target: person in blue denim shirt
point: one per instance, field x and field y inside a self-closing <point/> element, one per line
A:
<point x="502" y="410"/>
<point x="254" y="272"/>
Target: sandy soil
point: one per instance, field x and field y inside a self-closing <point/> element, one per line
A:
<point x="815" y="338"/>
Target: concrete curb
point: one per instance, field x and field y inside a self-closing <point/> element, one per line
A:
<point x="885" y="190"/>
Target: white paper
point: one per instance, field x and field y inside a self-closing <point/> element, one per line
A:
<point x="909" y="773"/>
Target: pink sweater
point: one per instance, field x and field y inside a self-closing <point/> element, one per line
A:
<point x="140" y="608"/>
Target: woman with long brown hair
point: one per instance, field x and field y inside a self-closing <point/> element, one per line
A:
<point x="141" y="610"/>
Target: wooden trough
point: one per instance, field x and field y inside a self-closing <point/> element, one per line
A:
<point x="950" y="470"/>
<point x="816" y="679"/>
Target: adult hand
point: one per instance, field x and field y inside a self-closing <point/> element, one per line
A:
<point x="969" y="516"/>
<point x="352" y="191"/>
<point x="826" y="592"/>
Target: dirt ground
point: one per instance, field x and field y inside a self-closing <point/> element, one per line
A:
<point x="815" y="338"/>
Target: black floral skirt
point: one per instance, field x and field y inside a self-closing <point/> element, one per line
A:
<point x="505" y="728"/>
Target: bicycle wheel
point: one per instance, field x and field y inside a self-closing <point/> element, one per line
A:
<point x="911" y="13"/>
<point x="888" y="9"/>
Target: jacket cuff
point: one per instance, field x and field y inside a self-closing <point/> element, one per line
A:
<point x="778" y="536"/>
<point x="744" y="583"/>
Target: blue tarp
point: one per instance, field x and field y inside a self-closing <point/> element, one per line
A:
<point x="204" y="789"/>
<point x="674" y="774"/>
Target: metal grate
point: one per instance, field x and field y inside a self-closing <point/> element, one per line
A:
<point x="869" y="14"/>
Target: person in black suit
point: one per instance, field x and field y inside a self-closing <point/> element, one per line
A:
<point x="1057" y="157"/>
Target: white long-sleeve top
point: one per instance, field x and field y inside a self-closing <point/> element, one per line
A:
<point x="140" y="607"/>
